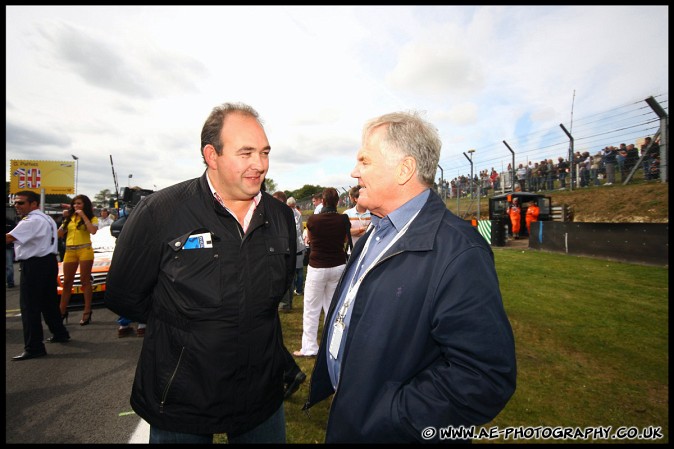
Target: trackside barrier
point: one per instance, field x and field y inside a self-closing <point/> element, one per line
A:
<point x="493" y="231"/>
<point x="561" y="212"/>
<point x="645" y="243"/>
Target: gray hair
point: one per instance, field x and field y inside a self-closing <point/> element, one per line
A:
<point x="408" y="134"/>
<point x="291" y="202"/>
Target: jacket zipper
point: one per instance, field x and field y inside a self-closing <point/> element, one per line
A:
<point x="170" y="381"/>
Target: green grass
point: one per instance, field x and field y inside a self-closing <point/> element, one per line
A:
<point x="592" y="341"/>
<point x="592" y="345"/>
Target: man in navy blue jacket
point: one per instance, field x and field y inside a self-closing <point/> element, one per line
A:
<point x="416" y="338"/>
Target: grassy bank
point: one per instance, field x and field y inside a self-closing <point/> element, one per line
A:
<point x="637" y="202"/>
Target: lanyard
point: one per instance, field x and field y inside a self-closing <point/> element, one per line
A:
<point x="354" y="286"/>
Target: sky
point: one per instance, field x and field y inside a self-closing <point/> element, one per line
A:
<point x="137" y="82"/>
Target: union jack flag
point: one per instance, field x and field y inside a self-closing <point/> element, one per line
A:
<point x="21" y="173"/>
<point x="33" y="180"/>
<point x="29" y="179"/>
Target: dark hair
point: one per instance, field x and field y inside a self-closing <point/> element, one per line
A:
<point x="330" y="197"/>
<point x="354" y="192"/>
<point x="280" y="195"/>
<point x="88" y="211"/>
<point x="30" y="196"/>
<point x="210" y="133"/>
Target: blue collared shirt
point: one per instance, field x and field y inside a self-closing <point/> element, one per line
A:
<point x="385" y="230"/>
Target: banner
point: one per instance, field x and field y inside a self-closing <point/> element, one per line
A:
<point x="55" y="177"/>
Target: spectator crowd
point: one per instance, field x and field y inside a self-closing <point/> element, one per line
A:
<point x="609" y="165"/>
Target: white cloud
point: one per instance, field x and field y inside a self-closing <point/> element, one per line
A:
<point x="137" y="82"/>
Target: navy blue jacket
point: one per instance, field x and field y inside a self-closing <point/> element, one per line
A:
<point x="212" y="357"/>
<point x="429" y="342"/>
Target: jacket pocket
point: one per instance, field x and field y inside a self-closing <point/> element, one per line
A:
<point x="170" y="379"/>
<point x="194" y="271"/>
<point x="278" y="254"/>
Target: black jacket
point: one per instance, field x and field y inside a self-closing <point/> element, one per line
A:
<point x="212" y="358"/>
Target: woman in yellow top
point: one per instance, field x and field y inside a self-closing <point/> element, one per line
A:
<point x="77" y="228"/>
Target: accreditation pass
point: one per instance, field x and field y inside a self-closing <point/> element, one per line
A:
<point x="336" y="340"/>
<point x="196" y="241"/>
<point x="339" y="326"/>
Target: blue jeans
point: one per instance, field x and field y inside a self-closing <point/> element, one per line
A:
<point x="299" y="280"/>
<point x="273" y="430"/>
<point x="562" y="180"/>
<point x="9" y="266"/>
<point x="646" y="165"/>
<point x="594" y="172"/>
<point x="123" y="321"/>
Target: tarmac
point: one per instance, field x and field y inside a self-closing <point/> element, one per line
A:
<point x="79" y="392"/>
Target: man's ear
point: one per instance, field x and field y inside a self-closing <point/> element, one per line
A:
<point x="406" y="170"/>
<point x="210" y="155"/>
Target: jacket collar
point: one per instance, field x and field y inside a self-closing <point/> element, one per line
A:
<point x="421" y="234"/>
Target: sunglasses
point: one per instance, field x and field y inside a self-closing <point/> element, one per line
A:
<point x="20" y="203"/>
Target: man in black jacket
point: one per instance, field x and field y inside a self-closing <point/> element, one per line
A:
<point x="205" y="264"/>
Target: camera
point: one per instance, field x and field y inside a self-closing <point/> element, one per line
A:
<point x="131" y="196"/>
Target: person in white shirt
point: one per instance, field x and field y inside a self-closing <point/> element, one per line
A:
<point x="317" y="200"/>
<point x="359" y="216"/>
<point x="35" y="247"/>
<point x="522" y="177"/>
<point x="105" y="220"/>
<point x="299" y="265"/>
